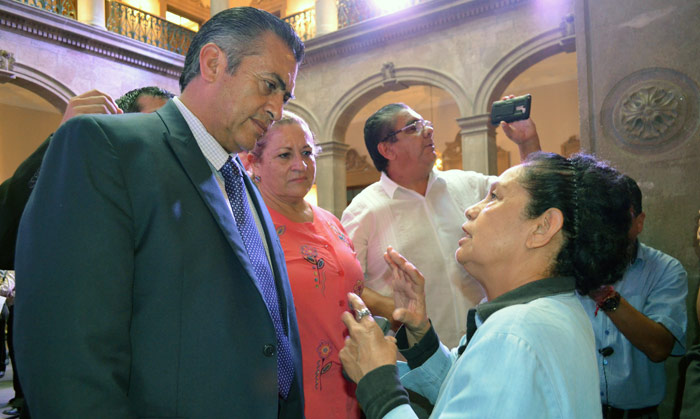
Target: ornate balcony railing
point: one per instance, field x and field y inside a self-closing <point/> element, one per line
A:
<point x="60" y="7"/>
<point x="304" y="23"/>
<point x="147" y="28"/>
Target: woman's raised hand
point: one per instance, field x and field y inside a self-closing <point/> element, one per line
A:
<point x="409" y="296"/>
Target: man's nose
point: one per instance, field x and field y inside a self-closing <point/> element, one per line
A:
<point x="473" y="211"/>
<point x="275" y="106"/>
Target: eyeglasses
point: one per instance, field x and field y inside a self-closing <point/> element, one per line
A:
<point x="415" y="127"/>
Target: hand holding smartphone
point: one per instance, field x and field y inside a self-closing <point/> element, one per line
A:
<point x="509" y="110"/>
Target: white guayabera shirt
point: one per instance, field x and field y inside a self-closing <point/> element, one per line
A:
<point x="426" y="230"/>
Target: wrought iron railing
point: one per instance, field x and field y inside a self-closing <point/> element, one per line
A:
<point x="147" y="28"/>
<point x="154" y="30"/>
<point x="60" y="7"/>
<point x="304" y="23"/>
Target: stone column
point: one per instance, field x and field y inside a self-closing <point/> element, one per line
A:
<point x="478" y="144"/>
<point x="217" y="6"/>
<point x="330" y="177"/>
<point x="326" y="16"/>
<point x="92" y="12"/>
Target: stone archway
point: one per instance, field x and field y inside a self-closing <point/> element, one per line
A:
<point x="304" y="114"/>
<point x="32" y="103"/>
<point x="387" y="80"/>
<point x="331" y="181"/>
<point x="478" y="135"/>
<point x="45" y="86"/>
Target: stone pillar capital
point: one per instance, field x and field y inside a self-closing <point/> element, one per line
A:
<point x="476" y="124"/>
<point x="478" y="144"/>
<point x="331" y="186"/>
<point x="332" y="149"/>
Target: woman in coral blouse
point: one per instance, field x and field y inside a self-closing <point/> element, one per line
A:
<point x="320" y="259"/>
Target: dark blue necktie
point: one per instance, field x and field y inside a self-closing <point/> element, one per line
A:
<point x="235" y="189"/>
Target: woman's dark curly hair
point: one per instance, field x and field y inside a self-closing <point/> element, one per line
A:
<point x="593" y="198"/>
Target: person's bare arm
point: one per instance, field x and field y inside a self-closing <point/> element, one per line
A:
<point x="409" y="296"/>
<point x="648" y="336"/>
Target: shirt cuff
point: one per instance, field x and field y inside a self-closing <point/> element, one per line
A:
<point x="417" y="354"/>
<point x="380" y="391"/>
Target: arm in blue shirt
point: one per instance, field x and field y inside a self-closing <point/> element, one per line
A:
<point x="658" y="330"/>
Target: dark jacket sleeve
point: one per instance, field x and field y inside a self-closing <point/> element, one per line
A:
<point x="74" y="270"/>
<point x="14" y="193"/>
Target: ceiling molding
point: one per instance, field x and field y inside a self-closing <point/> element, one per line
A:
<point x="423" y="18"/>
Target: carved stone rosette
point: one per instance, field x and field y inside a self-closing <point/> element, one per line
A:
<point x="651" y="111"/>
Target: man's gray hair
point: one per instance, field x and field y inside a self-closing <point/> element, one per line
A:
<point x="238" y="32"/>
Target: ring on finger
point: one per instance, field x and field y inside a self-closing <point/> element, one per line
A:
<point x="359" y="314"/>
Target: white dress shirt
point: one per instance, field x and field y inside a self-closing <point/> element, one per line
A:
<point x="217" y="156"/>
<point x="425" y="229"/>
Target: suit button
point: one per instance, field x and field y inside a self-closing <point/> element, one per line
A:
<point x="269" y="350"/>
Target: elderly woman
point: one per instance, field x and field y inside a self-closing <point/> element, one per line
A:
<point x="320" y="259"/>
<point x="545" y="229"/>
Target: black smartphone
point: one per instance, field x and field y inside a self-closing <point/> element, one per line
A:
<point x="510" y="110"/>
<point x="383" y="323"/>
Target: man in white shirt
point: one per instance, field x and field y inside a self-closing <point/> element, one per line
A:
<point x="419" y="211"/>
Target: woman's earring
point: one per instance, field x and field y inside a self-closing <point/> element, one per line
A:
<point x="256" y="178"/>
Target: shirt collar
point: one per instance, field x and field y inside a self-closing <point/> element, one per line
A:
<point x="640" y="252"/>
<point x="390" y="187"/>
<point x="526" y="293"/>
<point x="212" y="150"/>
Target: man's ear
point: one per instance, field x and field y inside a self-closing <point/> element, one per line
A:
<point x="212" y="61"/>
<point x="640" y="221"/>
<point x="386" y="150"/>
<point x="545" y="228"/>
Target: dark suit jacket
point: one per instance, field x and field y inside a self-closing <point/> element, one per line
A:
<point x="14" y="193"/>
<point x="135" y="296"/>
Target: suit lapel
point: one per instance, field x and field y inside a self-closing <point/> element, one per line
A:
<point x="279" y="266"/>
<point x="187" y="151"/>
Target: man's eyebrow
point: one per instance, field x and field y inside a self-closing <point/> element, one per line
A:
<point x="279" y="81"/>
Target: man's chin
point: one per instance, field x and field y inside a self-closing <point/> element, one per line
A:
<point x="248" y="144"/>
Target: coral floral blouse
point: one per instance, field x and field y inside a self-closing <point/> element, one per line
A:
<point x="322" y="269"/>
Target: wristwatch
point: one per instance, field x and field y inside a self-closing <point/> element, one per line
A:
<point x="611" y="303"/>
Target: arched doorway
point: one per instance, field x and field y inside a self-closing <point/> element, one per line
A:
<point x="31" y="107"/>
<point x="433" y="103"/>
<point x="553" y="84"/>
<point x="27" y="119"/>
<point x="541" y="63"/>
<point x="394" y="82"/>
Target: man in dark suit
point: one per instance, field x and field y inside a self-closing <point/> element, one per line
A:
<point x="140" y="293"/>
<point x="15" y="192"/>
